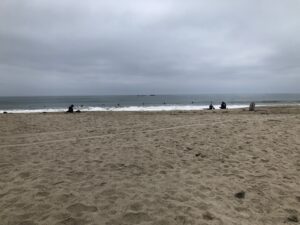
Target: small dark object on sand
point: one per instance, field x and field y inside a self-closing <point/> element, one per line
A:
<point x="208" y="216"/>
<point x="78" y="111"/>
<point x="4" y="112"/>
<point x="201" y="155"/>
<point x="223" y="105"/>
<point x="70" y="110"/>
<point x="293" y="218"/>
<point x="240" y="194"/>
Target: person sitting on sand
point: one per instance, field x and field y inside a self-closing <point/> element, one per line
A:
<point x="223" y="105"/>
<point x="71" y="109"/>
<point x="252" y="106"/>
<point x="211" y="106"/>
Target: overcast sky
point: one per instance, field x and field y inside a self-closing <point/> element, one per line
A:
<point x="67" y="47"/>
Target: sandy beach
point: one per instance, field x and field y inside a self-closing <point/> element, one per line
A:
<point x="231" y="167"/>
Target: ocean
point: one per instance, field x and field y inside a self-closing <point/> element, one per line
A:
<point x="140" y="102"/>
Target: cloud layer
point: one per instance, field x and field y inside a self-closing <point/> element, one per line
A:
<point x="139" y="47"/>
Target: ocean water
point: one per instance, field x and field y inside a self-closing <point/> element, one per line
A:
<point x="140" y="102"/>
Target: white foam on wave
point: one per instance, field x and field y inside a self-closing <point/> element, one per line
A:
<point x="124" y="109"/>
<point x="157" y="108"/>
<point x="33" y="110"/>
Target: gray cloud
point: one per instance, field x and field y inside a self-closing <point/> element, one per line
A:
<point x="139" y="47"/>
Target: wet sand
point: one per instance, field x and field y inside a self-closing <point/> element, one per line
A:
<point x="163" y="168"/>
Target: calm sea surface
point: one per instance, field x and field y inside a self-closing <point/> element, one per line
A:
<point x="141" y="102"/>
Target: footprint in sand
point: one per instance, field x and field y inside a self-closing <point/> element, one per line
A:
<point x="61" y="216"/>
<point x="202" y="206"/>
<point x="25" y="216"/>
<point x="42" y="194"/>
<point x="27" y="222"/>
<point x="162" y="222"/>
<point x="5" y="165"/>
<point x="180" y="219"/>
<point x="208" y="216"/>
<point x="130" y="218"/>
<point x="24" y="175"/>
<point x="78" y="208"/>
<point x="65" y="197"/>
<point x="73" y="221"/>
<point x="293" y="218"/>
<point x="136" y="218"/>
<point x="136" y="206"/>
<point x="44" y="206"/>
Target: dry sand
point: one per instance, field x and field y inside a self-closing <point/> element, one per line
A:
<point x="163" y="168"/>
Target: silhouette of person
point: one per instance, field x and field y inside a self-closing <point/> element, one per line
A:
<point x="71" y="109"/>
<point x="211" y="106"/>
<point x="252" y="106"/>
<point x="223" y="105"/>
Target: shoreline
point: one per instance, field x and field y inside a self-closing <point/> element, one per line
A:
<point x="161" y="108"/>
